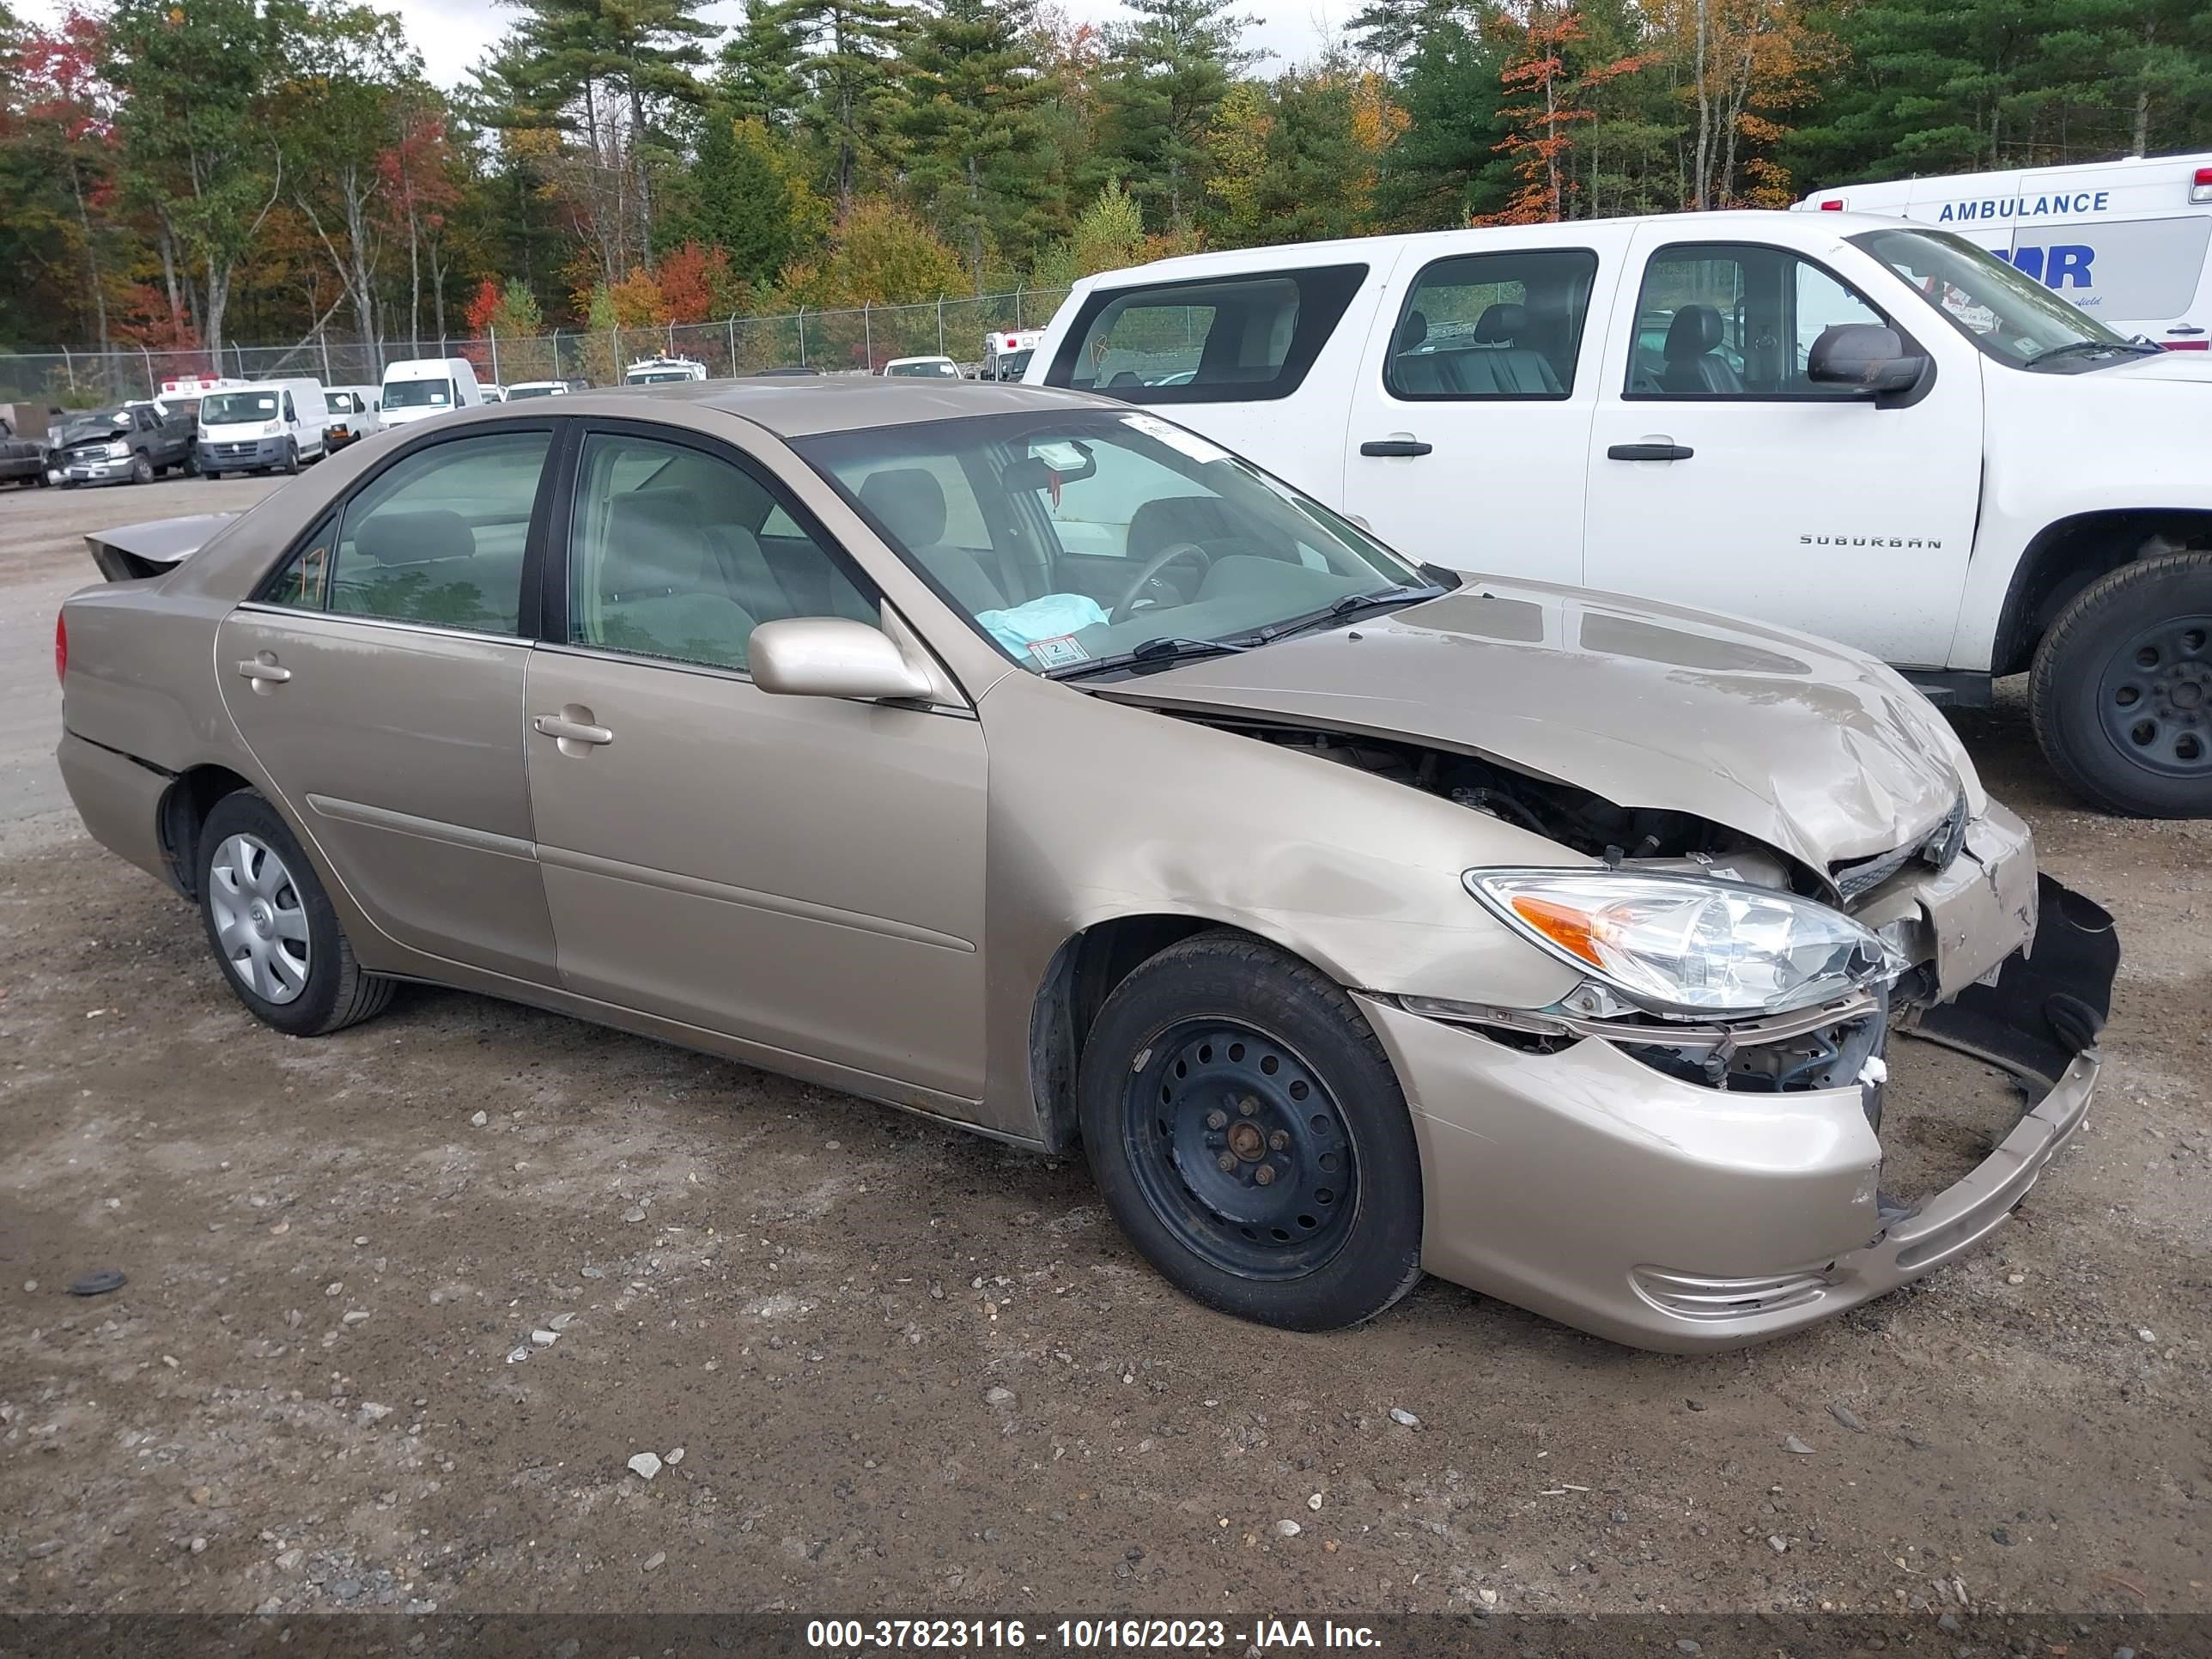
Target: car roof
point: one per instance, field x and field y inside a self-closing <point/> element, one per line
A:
<point x="843" y="403"/>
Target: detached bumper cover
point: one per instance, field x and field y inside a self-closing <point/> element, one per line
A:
<point x="1661" y="1213"/>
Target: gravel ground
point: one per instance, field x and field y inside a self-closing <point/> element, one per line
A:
<point x="405" y="1304"/>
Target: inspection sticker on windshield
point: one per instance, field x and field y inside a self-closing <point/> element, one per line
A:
<point x="1059" y="651"/>
<point x="1182" y="442"/>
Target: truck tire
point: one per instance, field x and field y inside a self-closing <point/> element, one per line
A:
<point x="142" y="469"/>
<point x="291" y="467"/>
<point x="2121" y="691"/>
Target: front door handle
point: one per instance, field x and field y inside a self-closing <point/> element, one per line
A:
<point x="1396" y="447"/>
<point x="573" y="729"/>
<point x="262" y="670"/>
<point x="1660" y="451"/>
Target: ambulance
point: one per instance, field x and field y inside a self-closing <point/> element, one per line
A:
<point x="2124" y="240"/>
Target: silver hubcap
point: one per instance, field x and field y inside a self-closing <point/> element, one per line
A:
<point x="260" y="926"/>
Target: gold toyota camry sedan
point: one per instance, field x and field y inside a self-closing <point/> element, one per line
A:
<point x="1017" y="758"/>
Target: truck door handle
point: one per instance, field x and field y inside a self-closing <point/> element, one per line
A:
<point x="1396" y="447"/>
<point x="1650" y="452"/>
<point x="264" y="673"/>
<point x="572" y="729"/>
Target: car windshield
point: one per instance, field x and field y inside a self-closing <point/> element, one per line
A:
<point x="1080" y="540"/>
<point x="96" y="423"/>
<point x="236" y="408"/>
<point x="1012" y="364"/>
<point x="2010" y="315"/>
<point x="514" y="392"/>
<point x="928" y="366"/>
<point x="341" y="403"/>
<point x="418" y="394"/>
<point x="656" y="376"/>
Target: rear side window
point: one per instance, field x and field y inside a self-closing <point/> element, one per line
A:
<point x="1227" y="339"/>
<point x="1490" y="326"/>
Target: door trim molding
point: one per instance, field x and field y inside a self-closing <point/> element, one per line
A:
<point x="775" y="903"/>
<point x="406" y="824"/>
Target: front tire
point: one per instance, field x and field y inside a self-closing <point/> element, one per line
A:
<point x="1246" y="1131"/>
<point x="272" y="926"/>
<point x="2121" y="690"/>
<point x="291" y="468"/>
<point x="142" y="470"/>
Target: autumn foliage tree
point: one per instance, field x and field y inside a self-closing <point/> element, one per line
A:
<point x="1547" y="72"/>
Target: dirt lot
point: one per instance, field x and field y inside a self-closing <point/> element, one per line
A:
<point x="906" y="1367"/>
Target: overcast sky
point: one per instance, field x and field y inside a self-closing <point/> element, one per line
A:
<point x="451" y="34"/>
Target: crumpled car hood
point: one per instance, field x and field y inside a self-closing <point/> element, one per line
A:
<point x="1813" y="748"/>
<point x="133" y="550"/>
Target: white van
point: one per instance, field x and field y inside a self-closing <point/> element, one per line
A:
<point x="421" y="387"/>
<point x="354" y="414"/>
<point x="663" y="371"/>
<point x="263" y="425"/>
<point x="2124" y="240"/>
<point x="1854" y="426"/>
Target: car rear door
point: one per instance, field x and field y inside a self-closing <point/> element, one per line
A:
<point x="804" y="874"/>
<point x="1720" y="477"/>
<point x="378" y="678"/>
<point x="1471" y="414"/>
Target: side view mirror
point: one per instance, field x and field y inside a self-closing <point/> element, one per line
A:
<point x="1866" y="355"/>
<point x="833" y="657"/>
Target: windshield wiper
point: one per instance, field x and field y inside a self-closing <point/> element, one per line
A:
<point x="1167" y="649"/>
<point x="2092" y="348"/>
<point x="1353" y="604"/>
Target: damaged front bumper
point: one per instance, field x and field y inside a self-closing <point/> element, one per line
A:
<point x="1588" y="1185"/>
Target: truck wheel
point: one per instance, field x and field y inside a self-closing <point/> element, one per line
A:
<point x="1248" y="1132"/>
<point x="2121" y="690"/>
<point x="142" y="470"/>
<point x="292" y="460"/>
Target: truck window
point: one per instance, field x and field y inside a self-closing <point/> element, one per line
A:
<point x="1244" y="338"/>
<point x="1484" y="325"/>
<point x="1728" y="321"/>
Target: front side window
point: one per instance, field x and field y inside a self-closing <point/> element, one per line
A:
<point x="1226" y="339"/>
<point x="419" y="394"/>
<point x="676" y="553"/>
<point x="1487" y="325"/>
<point x="2005" y="312"/>
<point x="437" y="538"/>
<point x="1736" y="320"/>
<point x="1120" y="531"/>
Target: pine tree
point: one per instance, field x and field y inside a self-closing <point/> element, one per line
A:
<point x="750" y="197"/>
<point x="849" y="51"/>
<point x="968" y="120"/>
<point x="759" y="76"/>
<point x="1163" y="82"/>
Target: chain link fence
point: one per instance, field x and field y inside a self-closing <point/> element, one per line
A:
<point x="848" y="342"/>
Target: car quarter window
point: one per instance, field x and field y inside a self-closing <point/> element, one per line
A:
<point x="1489" y="326"/>
<point x="1220" y="339"/>
<point x="436" y="537"/>
<point x="674" y="552"/>
<point x="1736" y="320"/>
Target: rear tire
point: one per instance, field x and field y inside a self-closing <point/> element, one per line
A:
<point x="283" y="952"/>
<point x="1223" y="1049"/>
<point x="2121" y="692"/>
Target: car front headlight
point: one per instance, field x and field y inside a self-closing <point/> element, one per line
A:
<point x="1688" y="946"/>
<point x="118" y="449"/>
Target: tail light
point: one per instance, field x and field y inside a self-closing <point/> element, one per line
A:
<point x="61" y="646"/>
<point x="2200" y="188"/>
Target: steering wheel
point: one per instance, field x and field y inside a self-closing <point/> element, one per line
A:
<point x="1126" y="605"/>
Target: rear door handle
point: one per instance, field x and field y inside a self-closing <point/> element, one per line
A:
<point x="1650" y="452"/>
<point x="573" y="729"/>
<point x="264" y="673"/>
<point x="1396" y="447"/>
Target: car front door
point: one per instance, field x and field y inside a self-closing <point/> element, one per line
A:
<point x="378" y="678"/>
<point x="804" y="874"/>
<point x="1471" y="414"/>
<point x="1722" y="477"/>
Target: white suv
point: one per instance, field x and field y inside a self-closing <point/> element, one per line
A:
<point x="1846" y="424"/>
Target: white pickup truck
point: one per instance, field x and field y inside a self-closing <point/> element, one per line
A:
<point x="1846" y="424"/>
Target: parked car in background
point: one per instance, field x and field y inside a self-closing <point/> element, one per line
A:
<point x="660" y="371"/>
<point x="352" y="414"/>
<point x="2125" y="240"/>
<point x="183" y="393"/>
<point x="269" y="426"/>
<point x="927" y="368"/>
<point x="1051" y="770"/>
<point x="1830" y="421"/>
<point x="22" y="454"/>
<point x="537" y="389"/>
<point x="123" y="444"/>
<point x="421" y="388"/>
<point x="494" y="394"/>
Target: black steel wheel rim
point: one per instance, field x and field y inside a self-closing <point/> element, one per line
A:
<point x="2155" y="697"/>
<point x="1240" y="1149"/>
